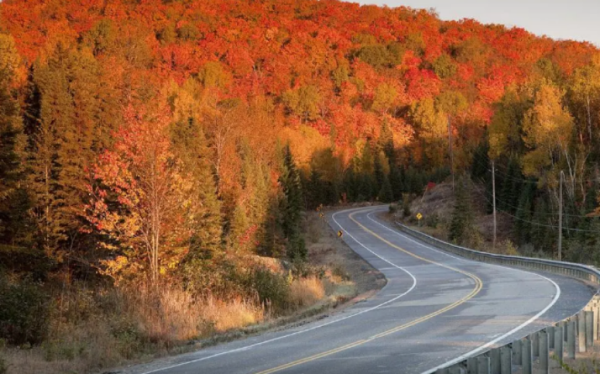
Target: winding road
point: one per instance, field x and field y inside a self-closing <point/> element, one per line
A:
<point x="435" y="309"/>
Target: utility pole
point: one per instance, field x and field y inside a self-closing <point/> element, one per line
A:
<point x="450" y="151"/>
<point x="494" y="200"/>
<point x="560" y="214"/>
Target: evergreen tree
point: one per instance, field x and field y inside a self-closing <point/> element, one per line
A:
<point x="542" y="233"/>
<point x="204" y="217"/>
<point x="481" y="162"/>
<point x="14" y="198"/>
<point x="378" y="173"/>
<point x="76" y="117"/>
<point x="396" y="182"/>
<point x="524" y="215"/>
<point x="314" y="189"/>
<point x="291" y="207"/>
<point x="350" y="185"/>
<point x="511" y="186"/>
<point x="461" y="224"/>
<point x="386" y="194"/>
<point x="238" y="230"/>
<point x="367" y="187"/>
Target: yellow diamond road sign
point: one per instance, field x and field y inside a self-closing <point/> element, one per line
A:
<point x="419" y="216"/>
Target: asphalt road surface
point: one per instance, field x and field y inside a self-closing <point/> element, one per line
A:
<point x="435" y="308"/>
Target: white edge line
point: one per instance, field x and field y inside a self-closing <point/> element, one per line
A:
<point x="499" y="338"/>
<point x="414" y="284"/>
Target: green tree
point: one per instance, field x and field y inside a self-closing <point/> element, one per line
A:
<point x="291" y="207"/>
<point x="386" y="194"/>
<point x="14" y="198"/>
<point x="461" y="224"/>
<point x="524" y="217"/>
<point x="77" y="114"/>
<point x="204" y="208"/>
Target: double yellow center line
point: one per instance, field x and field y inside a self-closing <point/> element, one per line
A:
<point x="475" y="291"/>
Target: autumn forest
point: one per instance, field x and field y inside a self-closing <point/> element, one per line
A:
<point x="171" y="148"/>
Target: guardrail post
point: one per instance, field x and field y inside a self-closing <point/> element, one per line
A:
<point x="535" y="339"/>
<point x="505" y="360"/>
<point x="527" y="356"/>
<point x="551" y="331"/>
<point x="581" y="332"/>
<point x="518" y="351"/>
<point x="589" y="329"/>
<point x="544" y="348"/>
<point x="483" y="364"/>
<point x="558" y="342"/>
<point x="595" y="309"/>
<point x="571" y="339"/>
<point x="472" y="365"/>
<point x="495" y="361"/>
<point x="456" y="370"/>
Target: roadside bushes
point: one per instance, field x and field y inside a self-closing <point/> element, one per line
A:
<point x="272" y="288"/>
<point x="24" y="312"/>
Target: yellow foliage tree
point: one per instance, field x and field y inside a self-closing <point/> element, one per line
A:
<point x="504" y="130"/>
<point x="547" y="130"/>
<point x="585" y="90"/>
<point x="431" y="126"/>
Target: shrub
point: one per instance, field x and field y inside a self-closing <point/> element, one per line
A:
<point x="509" y="248"/>
<point x="272" y="288"/>
<point x="24" y="312"/>
<point x="296" y="248"/>
<point x="432" y="220"/>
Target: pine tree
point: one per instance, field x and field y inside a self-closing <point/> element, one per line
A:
<point x="76" y="115"/>
<point x="524" y="214"/>
<point x="481" y="162"/>
<point x="386" y="194"/>
<point x="291" y="207"/>
<point x="14" y="198"/>
<point x="396" y="182"/>
<point x="378" y="173"/>
<point x="204" y="217"/>
<point x="542" y="234"/>
<point x="461" y="224"/>
<point x="350" y="184"/>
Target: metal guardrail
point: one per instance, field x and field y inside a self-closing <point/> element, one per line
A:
<point x="576" y="333"/>
<point x="579" y="271"/>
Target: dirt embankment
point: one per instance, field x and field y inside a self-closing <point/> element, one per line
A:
<point x="437" y="205"/>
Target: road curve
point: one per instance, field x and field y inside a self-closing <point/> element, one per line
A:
<point x="435" y="308"/>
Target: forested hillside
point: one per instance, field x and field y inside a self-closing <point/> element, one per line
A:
<point x="168" y="143"/>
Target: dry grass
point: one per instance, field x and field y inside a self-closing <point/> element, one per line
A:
<point x="306" y="291"/>
<point x="227" y="315"/>
<point x="176" y="316"/>
<point x="137" y="324"/>
<point x="92" y="331"/>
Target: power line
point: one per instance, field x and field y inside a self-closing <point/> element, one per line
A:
<point x="516" y="207"/>
<point x="504" y="203"/>
<point x="507" y="176"/>
<point x="537" y="223"/>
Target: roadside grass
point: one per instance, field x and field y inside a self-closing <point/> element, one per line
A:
<point x="306" y="291"/>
